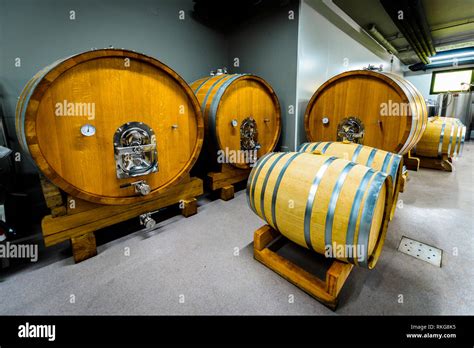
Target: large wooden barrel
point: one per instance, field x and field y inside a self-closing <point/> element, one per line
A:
<point x="322" y="202"/>
<point x="444" y="136"/>
<point x="241" y="114"/>
<point x="380" y="160"/>
<point x="380" y="110"/>
<point x="110" y="126"/>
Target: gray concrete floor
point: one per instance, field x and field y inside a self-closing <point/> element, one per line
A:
<point x="193" y="259"/>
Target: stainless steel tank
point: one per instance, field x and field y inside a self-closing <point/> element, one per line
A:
<point x="456" y="104"/>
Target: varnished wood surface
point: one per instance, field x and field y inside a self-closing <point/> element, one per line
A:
<point x="361" y="94"/>
<point x="442" y="163"/>
<point x="227" y="175"/>
<point x="247" y="96"/>
<point x="326" y="291"/>
<point x="346" y="151"/>
<point x="145" y="91"/>
<point x="445" y="130"/>
<point x="293" y="194"/>
<point x="83" y="247"/>
<point x="58" y="229"/>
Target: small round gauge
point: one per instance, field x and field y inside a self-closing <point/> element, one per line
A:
<point x="87" y="130"/>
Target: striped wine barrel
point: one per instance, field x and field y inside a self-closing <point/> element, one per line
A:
<point x="380" y="160"/>
<point x="381" y="110"/>
<point x="320" y="201"/>
<point x="444" y="136"/>
<point x="229" y="102"/>
<point x="139" y="104"/>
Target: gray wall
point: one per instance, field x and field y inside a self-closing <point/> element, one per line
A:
<point x="325" y="50"/>
<point x="423" y="83"/>
<point x="40" y="32"/>
<point x="267" y="46"/>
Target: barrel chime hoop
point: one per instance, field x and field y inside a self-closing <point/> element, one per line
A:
<point x="202" y="84"/>
<point x="458" y="139"/>
<point x="371" y="157"/>
<point x="310" y="201"/>
<point x="386" y="161"/>
<point x="326" y="147"/>
<point x="277" y="186"/>
<point x="250" y="179"/>
<point x="265" y="182"/>
<point x="204" y="102"/>
<point x="333" y="202"/>
<point x="441" y="138"/>
<point x="255" y="179"/>
<point x="356" y="204"/>
<point x="367" y="213"/>
<point x="215" y="104"/>
<point x="356" y="152"/>
<point x="451" y="141"/>
<point x="304" y="146"/>
<point x="395" y="163"/>
<point x="300" y="148"/>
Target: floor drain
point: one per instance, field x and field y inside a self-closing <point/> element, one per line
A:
<point x="421" y="251"/>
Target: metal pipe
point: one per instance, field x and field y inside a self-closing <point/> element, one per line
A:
<point x="425" y="29"/>
<point x="409" y="26"/>
<point x="381" y="39"/>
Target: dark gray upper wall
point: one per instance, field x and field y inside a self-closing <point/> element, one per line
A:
<point x="40" y="32"/>
<point x="267" y="46"/>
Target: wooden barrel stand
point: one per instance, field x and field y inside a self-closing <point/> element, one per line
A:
<point x="444" y="163"/>
<point x="326" y="291"/>
<point x="222" y="181"/>
<point x="77" y="220"/>
<point x="411" y="162"/>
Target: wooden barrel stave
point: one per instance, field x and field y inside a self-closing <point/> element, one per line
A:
<point x="318" y="200"/>
<point x="62" y="159"/>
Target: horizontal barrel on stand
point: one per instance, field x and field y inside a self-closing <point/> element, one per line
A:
<point x="242" y="115"/>
<point x="377" y="109"/>
<point x="323" y="203"/>
<point x="389" y="163"/>
<point x="110" y="126"/>
<point x="444" y="136"/>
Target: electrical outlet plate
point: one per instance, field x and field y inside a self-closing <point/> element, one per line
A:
<point x="421" y="251"/>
